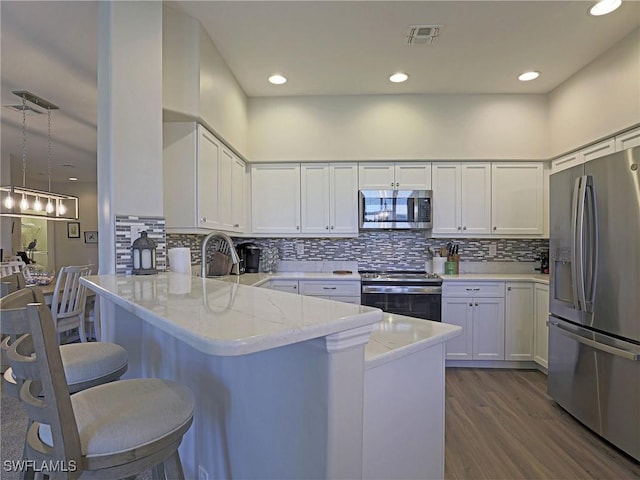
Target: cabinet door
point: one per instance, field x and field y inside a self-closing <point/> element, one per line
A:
<point x="275" y="198"/>
<point x="207" y="178"/>
<point x="628" y="140"/>
<point x="488" y="328"/>
<point x="566" y="161"/>
<point x="225" y="189"/>
<point x="519" y="323"/>
<point x="476" y="198"/>
<point x="238" y="198"/>
<point x="343" y="198"/>
<point x="517" y="198"/>
<point x="290" y="286"/>
<point x="412" y="176"/>
<point x="598" y="150"/>
<point x="446" y="198"/>
<point x="458" y="311"/>
<point x="314" y="178"/>
<point x="541" y="337"/>
<point x="376" y="176"/>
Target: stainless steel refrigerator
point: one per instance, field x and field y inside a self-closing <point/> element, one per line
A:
<point x="594" y="296"/>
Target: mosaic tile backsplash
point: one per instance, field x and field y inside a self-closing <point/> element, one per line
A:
<point x="388" y="250"/>
<point x="155" y="227"/>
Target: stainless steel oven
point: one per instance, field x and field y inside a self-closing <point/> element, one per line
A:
<point x="415" y="294"/>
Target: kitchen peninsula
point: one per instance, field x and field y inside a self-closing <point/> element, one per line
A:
<point x="279" y="378"/>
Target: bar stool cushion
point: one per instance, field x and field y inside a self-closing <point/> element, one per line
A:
<point x="127" y="414"/>
<point x="85" y="362"/>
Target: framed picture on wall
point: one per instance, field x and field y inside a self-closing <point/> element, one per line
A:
<point x="90" y="237"/>
<point x="73" y="229"/>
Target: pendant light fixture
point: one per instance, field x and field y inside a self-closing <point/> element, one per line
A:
<point x="20" y="201"/>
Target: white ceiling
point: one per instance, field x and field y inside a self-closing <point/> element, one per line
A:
<point x="323" y="47"/>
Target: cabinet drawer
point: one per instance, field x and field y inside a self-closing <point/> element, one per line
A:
<point x="464" y="289"/>
<point x="329" y="288"/>
<point x="284" y="285"/>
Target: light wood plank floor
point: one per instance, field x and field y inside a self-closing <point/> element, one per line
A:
<point x="501" y="424"/>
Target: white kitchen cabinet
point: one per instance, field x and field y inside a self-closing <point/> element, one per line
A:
<point x="192" y="177"/>
<point x="519" y="321"/>
<point x="541" y="337"/>
<point x="395" y="176"/>
<point x="461" y="198"/>
<point x="290" y="286"/>
<point x="591" y="152"/>
<point x="479" y="310"/>
<point x="341" y="291"/>
<point x="628" y="139"/>
<point x="231" y="191"/>
<point x="329" y="198"/>
<point x="517" y="198"/>
<point x="275" y="198"/>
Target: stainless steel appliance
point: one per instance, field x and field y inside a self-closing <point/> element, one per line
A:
<point x="415" y="294"/>
<point x="395" y="209"/>
<point x="594" y="322"/>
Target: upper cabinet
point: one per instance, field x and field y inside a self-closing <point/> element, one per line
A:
<point x="395" y="176"/>
<point x="628" y="139"/>
<point x="312" y="198"/>
<point x="199" y="181"/>
<point x="275" y="198"/>
<point x="517" y="198"/>
<point x="462" y="198"/>
<point x="329" y="201"/>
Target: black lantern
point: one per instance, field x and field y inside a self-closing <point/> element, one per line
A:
<point x="143" y="252"/>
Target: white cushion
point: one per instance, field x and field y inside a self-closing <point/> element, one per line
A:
<point x="84" y="362"/>
<point x="89" y="361"/>
<point x="126" y="414"/>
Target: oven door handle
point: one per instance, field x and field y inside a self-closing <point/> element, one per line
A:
<point x="402" y="289"/>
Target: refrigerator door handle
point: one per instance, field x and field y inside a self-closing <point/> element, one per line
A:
<point x="593" y="242"/>
<point x="577" y="243"/>
<point x="618" y="352"/>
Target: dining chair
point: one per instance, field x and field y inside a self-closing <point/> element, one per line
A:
<point x="116" y="430"/>
<point x="13" y="266"/>
<point x="11" y="283"/>
<point x="85" y="364"/>
<point x="69" y="300"/>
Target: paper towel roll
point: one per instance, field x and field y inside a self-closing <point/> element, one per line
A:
<point x="180" y="260"/>
<point x="438" y="264"/>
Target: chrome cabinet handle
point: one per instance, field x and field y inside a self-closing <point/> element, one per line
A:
<point x="326" y="227"/>
<point x="459" y="227"/>
<point x="329" y="288"/>
<point x="297" y="227"/>
<point x="509" y="289"/>
<point x="495" y="228"/>
<point x="471" y="304"/>
<point x="476" y="304"/>
<point x="464" y="228"/>
<point x="236" y="225"/>
<point x="331" y="227"/>
<point x="203" y="219"/>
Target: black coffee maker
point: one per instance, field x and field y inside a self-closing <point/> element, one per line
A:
<point x="249" y="257"/>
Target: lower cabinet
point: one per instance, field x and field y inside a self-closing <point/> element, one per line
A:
<point x="541" y="336"/>
<point x="342" y="291"/>
<point x="479" y="310"/>
<point x="519" y="324"/>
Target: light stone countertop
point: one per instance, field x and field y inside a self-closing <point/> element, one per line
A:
<point x="221" y="318"/>
<point x="498" y="277"/>
<point x="258" y="279"/>
<point x="399" y="335"/>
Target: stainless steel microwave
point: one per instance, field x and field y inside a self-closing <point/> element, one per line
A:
<point x="395" y="210"/>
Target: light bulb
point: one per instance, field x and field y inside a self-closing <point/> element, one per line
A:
<point x="61" y="209"/>
<point x="49" y="208"/>
<point x="9" y="202"/>
<point x="24" y="204"/>
<point x="37" y="205"/>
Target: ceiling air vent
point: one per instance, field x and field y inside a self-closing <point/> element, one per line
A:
<point x="422" y="34"/>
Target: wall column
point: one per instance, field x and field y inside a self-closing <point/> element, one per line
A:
<point x="129" y="117"/>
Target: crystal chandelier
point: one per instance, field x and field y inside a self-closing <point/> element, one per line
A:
<point x="20" y="201"/>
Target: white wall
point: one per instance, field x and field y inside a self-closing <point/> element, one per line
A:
<point x="398" y="127"/>
<point x="197" y="83"/>
<point x="73" y="251"/>
<point x="600" y="100"/>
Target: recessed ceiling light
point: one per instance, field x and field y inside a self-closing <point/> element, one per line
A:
<point x="73" y="179"/>
<point x="604" y="6"/>
<point x="277" y="79"/>
<point x="526" y="76"/>
<point x="398" y="77"/>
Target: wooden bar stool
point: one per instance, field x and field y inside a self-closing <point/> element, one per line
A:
<point x="116" y="430"/>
